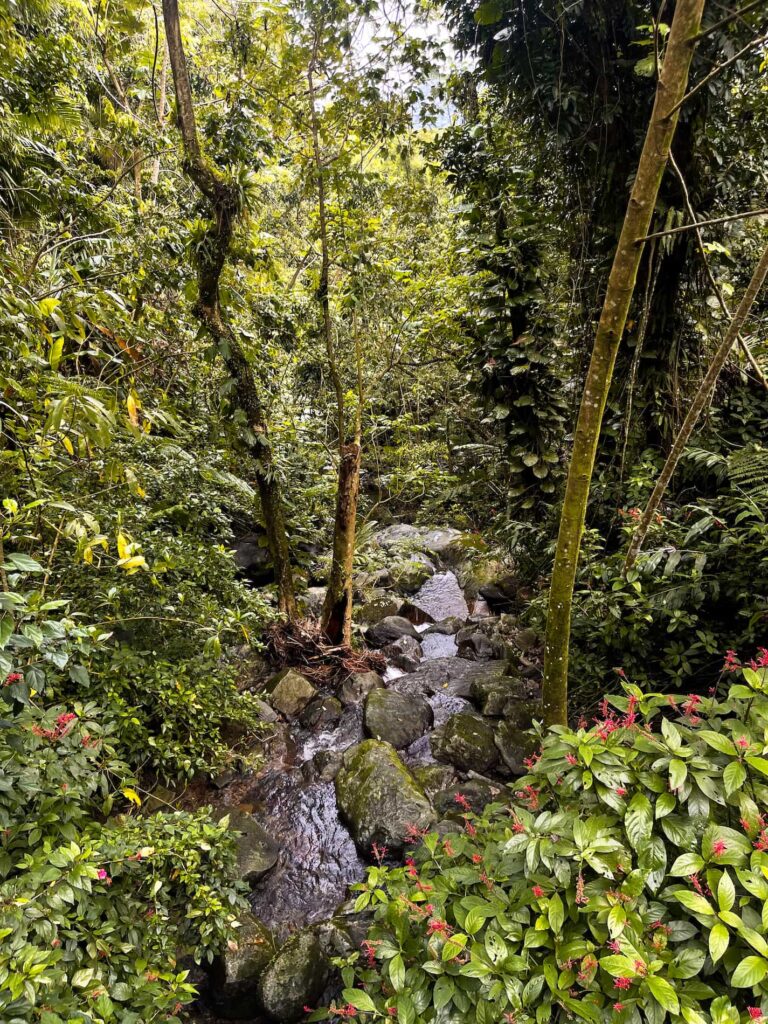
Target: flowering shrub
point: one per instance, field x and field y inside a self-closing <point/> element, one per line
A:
<point x="628" y="879"/>
<point x="95" y="907"/>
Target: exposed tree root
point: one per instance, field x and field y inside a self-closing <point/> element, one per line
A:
<point x="303" y="645"/>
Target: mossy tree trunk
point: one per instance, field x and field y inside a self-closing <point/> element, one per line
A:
<point x="699" y="403"/>
<point x="224" y="199"/>
<point x="673" y="80"/>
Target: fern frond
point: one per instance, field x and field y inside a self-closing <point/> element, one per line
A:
<point x="748" y="472"/>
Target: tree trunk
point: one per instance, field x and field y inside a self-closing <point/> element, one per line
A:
<point x="621" y="284"/>
<point x="155" y="178"/>
<point x="211" y="258"/>
<point x="336" y="617"/>
<point x="699" y="403"/>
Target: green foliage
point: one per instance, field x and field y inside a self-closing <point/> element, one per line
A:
<point x="626" y="882"/>
<point x="96" y="906"/>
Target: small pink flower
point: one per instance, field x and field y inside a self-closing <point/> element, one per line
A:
<point x="755" y="1012"/>
<point x="621" y="791"/>
<point x="537" y="891"/>
<point x="623" y="983"/>
<point x="571" y="759"/>
<point x="719" y="847"/>
<point x="618" y="1007"/>
<point x="742" y="742"/>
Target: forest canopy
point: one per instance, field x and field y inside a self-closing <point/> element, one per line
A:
<point x="384" y="530"/>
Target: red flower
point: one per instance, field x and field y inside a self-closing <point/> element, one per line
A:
<point x="618" y="1007"/>
<point x="755" y="1012"/>
<point x="438" y="927"/>
<point x="462" y="801"/>
<point x="470" y="829"/>
<point x="580" y="897"/>
<point x="379" y="852"/>
<point x="719" y="847"/>
<point x="537" y="891"/>
<point x="476" y="858"/>
<point x="731" y="663"/>
<point x="518" y="826"/>
<point x="623" y="983"/>
<point x="13" y="677"/>
<point x="621" y="791"/>
<point x="614" y="946"/>
<point x="571" y="759"/>
<point x="742" y="742"/>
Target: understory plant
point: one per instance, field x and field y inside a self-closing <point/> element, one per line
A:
<point x="625" y="880"/>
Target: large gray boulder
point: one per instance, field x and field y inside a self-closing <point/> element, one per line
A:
<point x="404" y="653"/>
<point x="388" y="630"/>
<point x="493" y="695"/>
<point x="396" y="718"/>
<point x="449" y="676"/>
<point x="466" y="741"/>
<point x="289" y="692"/>
<point x="235" y="973"/>
<point x="514" y="745"/>
<point x="295" y="978"/>
<point x="439" y="598"/>
<point x="379" y="798"/>
<point x="358" y="685"/>
<point x="257" y="852"/>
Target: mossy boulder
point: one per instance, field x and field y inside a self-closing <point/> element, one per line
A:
<point x="257" y="852"/>
<point x="379" y="798"/>
<point x="514" y="745"/>
<point x="410" y="575"/>
<point x="294" y="978"/>
<point x="358" y="685"/>
<point x="390" y="629"/>
<point x="396" y="718"/>
<point x="466" y="741"/>
<point x="289" y="692"/>
<point x="493" y="695"/>
<point x="235" y="973"/>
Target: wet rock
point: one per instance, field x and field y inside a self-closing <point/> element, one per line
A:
<point x="235" y="974"/>
<point x="514" y="745"/>
<point x="441" y="597"/>
<point x="448" y="626"/>
<point x="289" y="692"/>
<point x="396" y="718"/>
<point x="501" y="592"/>
<point x="520" y="712"/>
<point x="252" y="558"/>
<point x="493" y="694"/>
<point x="525" y="639"/>
<point x="358" y="685"/>
<point x="433" y="778"/>
<point x="223" y="779"/>
<point x="379" y="798"/>
<point x="326" y="764"/>
<point x="257" y="852"/>
<point x="446" y="543"/>
<point x="472" y="795"/>
<point x="388" y="630"/>
<point x="404" y="653"/>
<point x="397" y="535"/>
<point x="294" y="978"/>
<point x="264" y="712"/>
<point x="376" y="606"/>
<point x="466" y="741"/>
<point x="410" y="575"/>
<point x="450" y="676"/>
<point x="476" y="646"/>
<point x="321" y="713"/>
<point x="438" y="645"/>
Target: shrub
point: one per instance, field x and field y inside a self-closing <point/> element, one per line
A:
<point x="95" y="910"/>
<point x="627" y="881"/>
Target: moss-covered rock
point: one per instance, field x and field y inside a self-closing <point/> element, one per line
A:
<point x="493" y="694"/>
<point x="396" y="718"/>
<point x="235" y="973"/>
<point x="358" y="685"/>
<point x="514" y="745"/>
<point x="409" y="575"/>
<point x="379" y="798"/>
<point x="295" y="978"/>
<point x="257" y="852"/>
<point x="289" y="692"/>
<point x="466" y="741"/>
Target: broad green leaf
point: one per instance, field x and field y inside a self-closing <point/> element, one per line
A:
<point x="693" y="901"/>
<point x="718" y="941"/>
<point x="733" y="777"/>
<point x="359" y="999"/>
<point x="749" y="971"/>
<point x="663" y="993"/>
<point x="687" y="864"/>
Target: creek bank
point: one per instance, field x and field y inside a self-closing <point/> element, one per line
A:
<point x="376" y="761"/>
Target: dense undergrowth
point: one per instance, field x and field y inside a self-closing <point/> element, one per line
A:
<point x="625" y="880"/>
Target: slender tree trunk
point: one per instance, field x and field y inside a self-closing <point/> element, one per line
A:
<point x="699" y="403"/>
<point x="155" y="178"/>
<point x="212" y="255"/>
<point x="336" y="615"/>
<point x="671" y="88"/>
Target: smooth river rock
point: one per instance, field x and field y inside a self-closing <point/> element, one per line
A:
<point x="390" y="629"/>
<point x="396" y="718"/>
<point x="379" y="798"/>
<point x="257" y="852"/>
<point x="289" y="692"/>
<point x="295" y="978"/>
<point x="466" y="741"/>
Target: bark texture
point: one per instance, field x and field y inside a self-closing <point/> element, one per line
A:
<point x="212" y="253"/>
<point x="700" y="401"/>
<point x="671" y="88"/>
